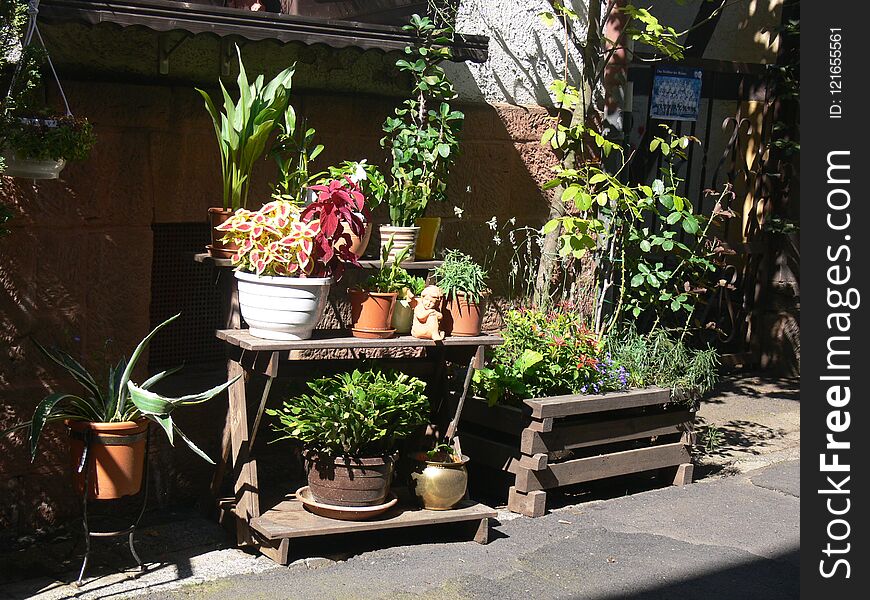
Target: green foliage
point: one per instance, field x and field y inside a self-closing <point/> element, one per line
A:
<point x="422" y="136"/>
<point x="355" y="414"/>
<point x="661" y="359"/>
<point x="120" y="400"/>
<point x="294" y="150"/>
<point x="49" y="139"/>
<point x="659" y="270"/>
<point x="459" y="274"/>
<point x="370" y="180"/>
<point x="243" y="128"/>
<point x="547" y="353"/>
<point x="391" y="276"/>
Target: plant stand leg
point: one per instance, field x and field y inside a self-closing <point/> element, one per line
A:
<point x="531" y="504"/>
<point x="480" y="530"/>
<point x="683" y="475"/>
<point x="245" y="479"/>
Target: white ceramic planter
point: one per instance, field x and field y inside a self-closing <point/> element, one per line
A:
<point x="403" y="237"/>
<point x="282" y="308"/>
<point x="32" y="168"/>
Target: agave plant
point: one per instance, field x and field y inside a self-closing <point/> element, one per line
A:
<point x="121" y="400"/>
<point x="244" y="127"/>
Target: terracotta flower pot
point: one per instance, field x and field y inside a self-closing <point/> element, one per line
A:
<point x="429" y="228"/>
<point x="116" y="457"/>
<point x="344" y="481"/>
<point x="218" y="248"/>
<point x="371" y="311"/>
<point x="462" y="317"/>
<point x="358" y="244"/>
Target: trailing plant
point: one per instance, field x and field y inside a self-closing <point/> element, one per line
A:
<point x="459" y="274"/>
<point x="243" y="128"/>
<point x="118" y="401"/>
<point x="662" y="359"/>
<point x="423" y="135"/>
<point x="548" y="353"/>
<point x="294" y="152"/>
<point x="391" y="276"/>
<point x="66" y="137"/>
<point x="370" y="180"/>
<point x="355" y="414"/>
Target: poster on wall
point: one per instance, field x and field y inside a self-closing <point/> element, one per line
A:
<point x="676" y="94"/>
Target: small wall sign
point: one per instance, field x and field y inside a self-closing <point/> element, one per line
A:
<point x="676" y="94"/>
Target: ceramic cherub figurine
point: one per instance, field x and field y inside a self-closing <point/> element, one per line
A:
<point x="427" y="317"/>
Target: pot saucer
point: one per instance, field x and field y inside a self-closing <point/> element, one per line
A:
<point x="372" y="334"/>
<point x="343" y="513"/>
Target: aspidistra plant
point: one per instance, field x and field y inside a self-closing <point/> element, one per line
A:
<point x="244" y="127"/>
<point x="121" y="400"/>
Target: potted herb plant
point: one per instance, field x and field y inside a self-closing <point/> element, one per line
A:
<point x="288" y="258"/>
<point x="440" y="478"/>
<point x="349" y="424"/>
<point x="422" y="136"/>
<point x="372" y="304"/>
<point x="108" y="425"/>
<point x="463" y="282"/>
<point x="373" y="187"/>
<point x="243" y="129"/>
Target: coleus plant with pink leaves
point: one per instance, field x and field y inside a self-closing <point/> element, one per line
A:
<point x="284" y="240"/>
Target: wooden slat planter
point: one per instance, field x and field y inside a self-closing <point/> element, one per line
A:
<point x="563" y="440"/>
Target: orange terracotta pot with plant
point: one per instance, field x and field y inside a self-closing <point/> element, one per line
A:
<point x="108" y="426"/>
<point x="242" y="129"/>
<point x="463" y="282"/>
<point x="372" y="304"/>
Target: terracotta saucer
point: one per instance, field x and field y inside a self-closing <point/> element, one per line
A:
<point x="372" y="334"/>
<point x="219" y="252"/>
<point x="343" y="513"/>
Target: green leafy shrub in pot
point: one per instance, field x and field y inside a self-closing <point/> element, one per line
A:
<point x="120" y="404"/>
<point x="463" y="282"/>
<point x="349" y="424"/>
<point x="548" y="353"/>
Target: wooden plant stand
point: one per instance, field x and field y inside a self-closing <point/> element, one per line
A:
<point x="603" y="436"/>
<point x="271" y="531"/>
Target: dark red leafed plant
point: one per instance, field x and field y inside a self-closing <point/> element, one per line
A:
<point x="338" y="204"/>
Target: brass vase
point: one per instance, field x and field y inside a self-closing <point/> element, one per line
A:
<point x="439" y="485"/>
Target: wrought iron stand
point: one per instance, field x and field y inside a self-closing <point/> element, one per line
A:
<point x="129" y="531"/>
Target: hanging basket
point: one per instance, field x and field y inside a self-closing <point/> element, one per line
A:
<point x="23" y="166"/>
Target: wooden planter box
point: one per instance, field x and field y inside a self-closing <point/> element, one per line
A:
<point x="563" y="440"/>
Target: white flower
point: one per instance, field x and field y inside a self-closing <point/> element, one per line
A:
<point x="512" y="238"/>
<point x="468" y="189"/>
<point x="493" y="223"/>
<point x="458" y="211"/>
<point x="512" y="220"/>
<point x="359" y="172"/>
<point x="496" y="240"/>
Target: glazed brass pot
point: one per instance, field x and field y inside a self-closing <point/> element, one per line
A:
<point x="439" y="485"/>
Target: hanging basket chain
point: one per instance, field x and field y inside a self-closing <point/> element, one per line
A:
<point x="32" y="28"/>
